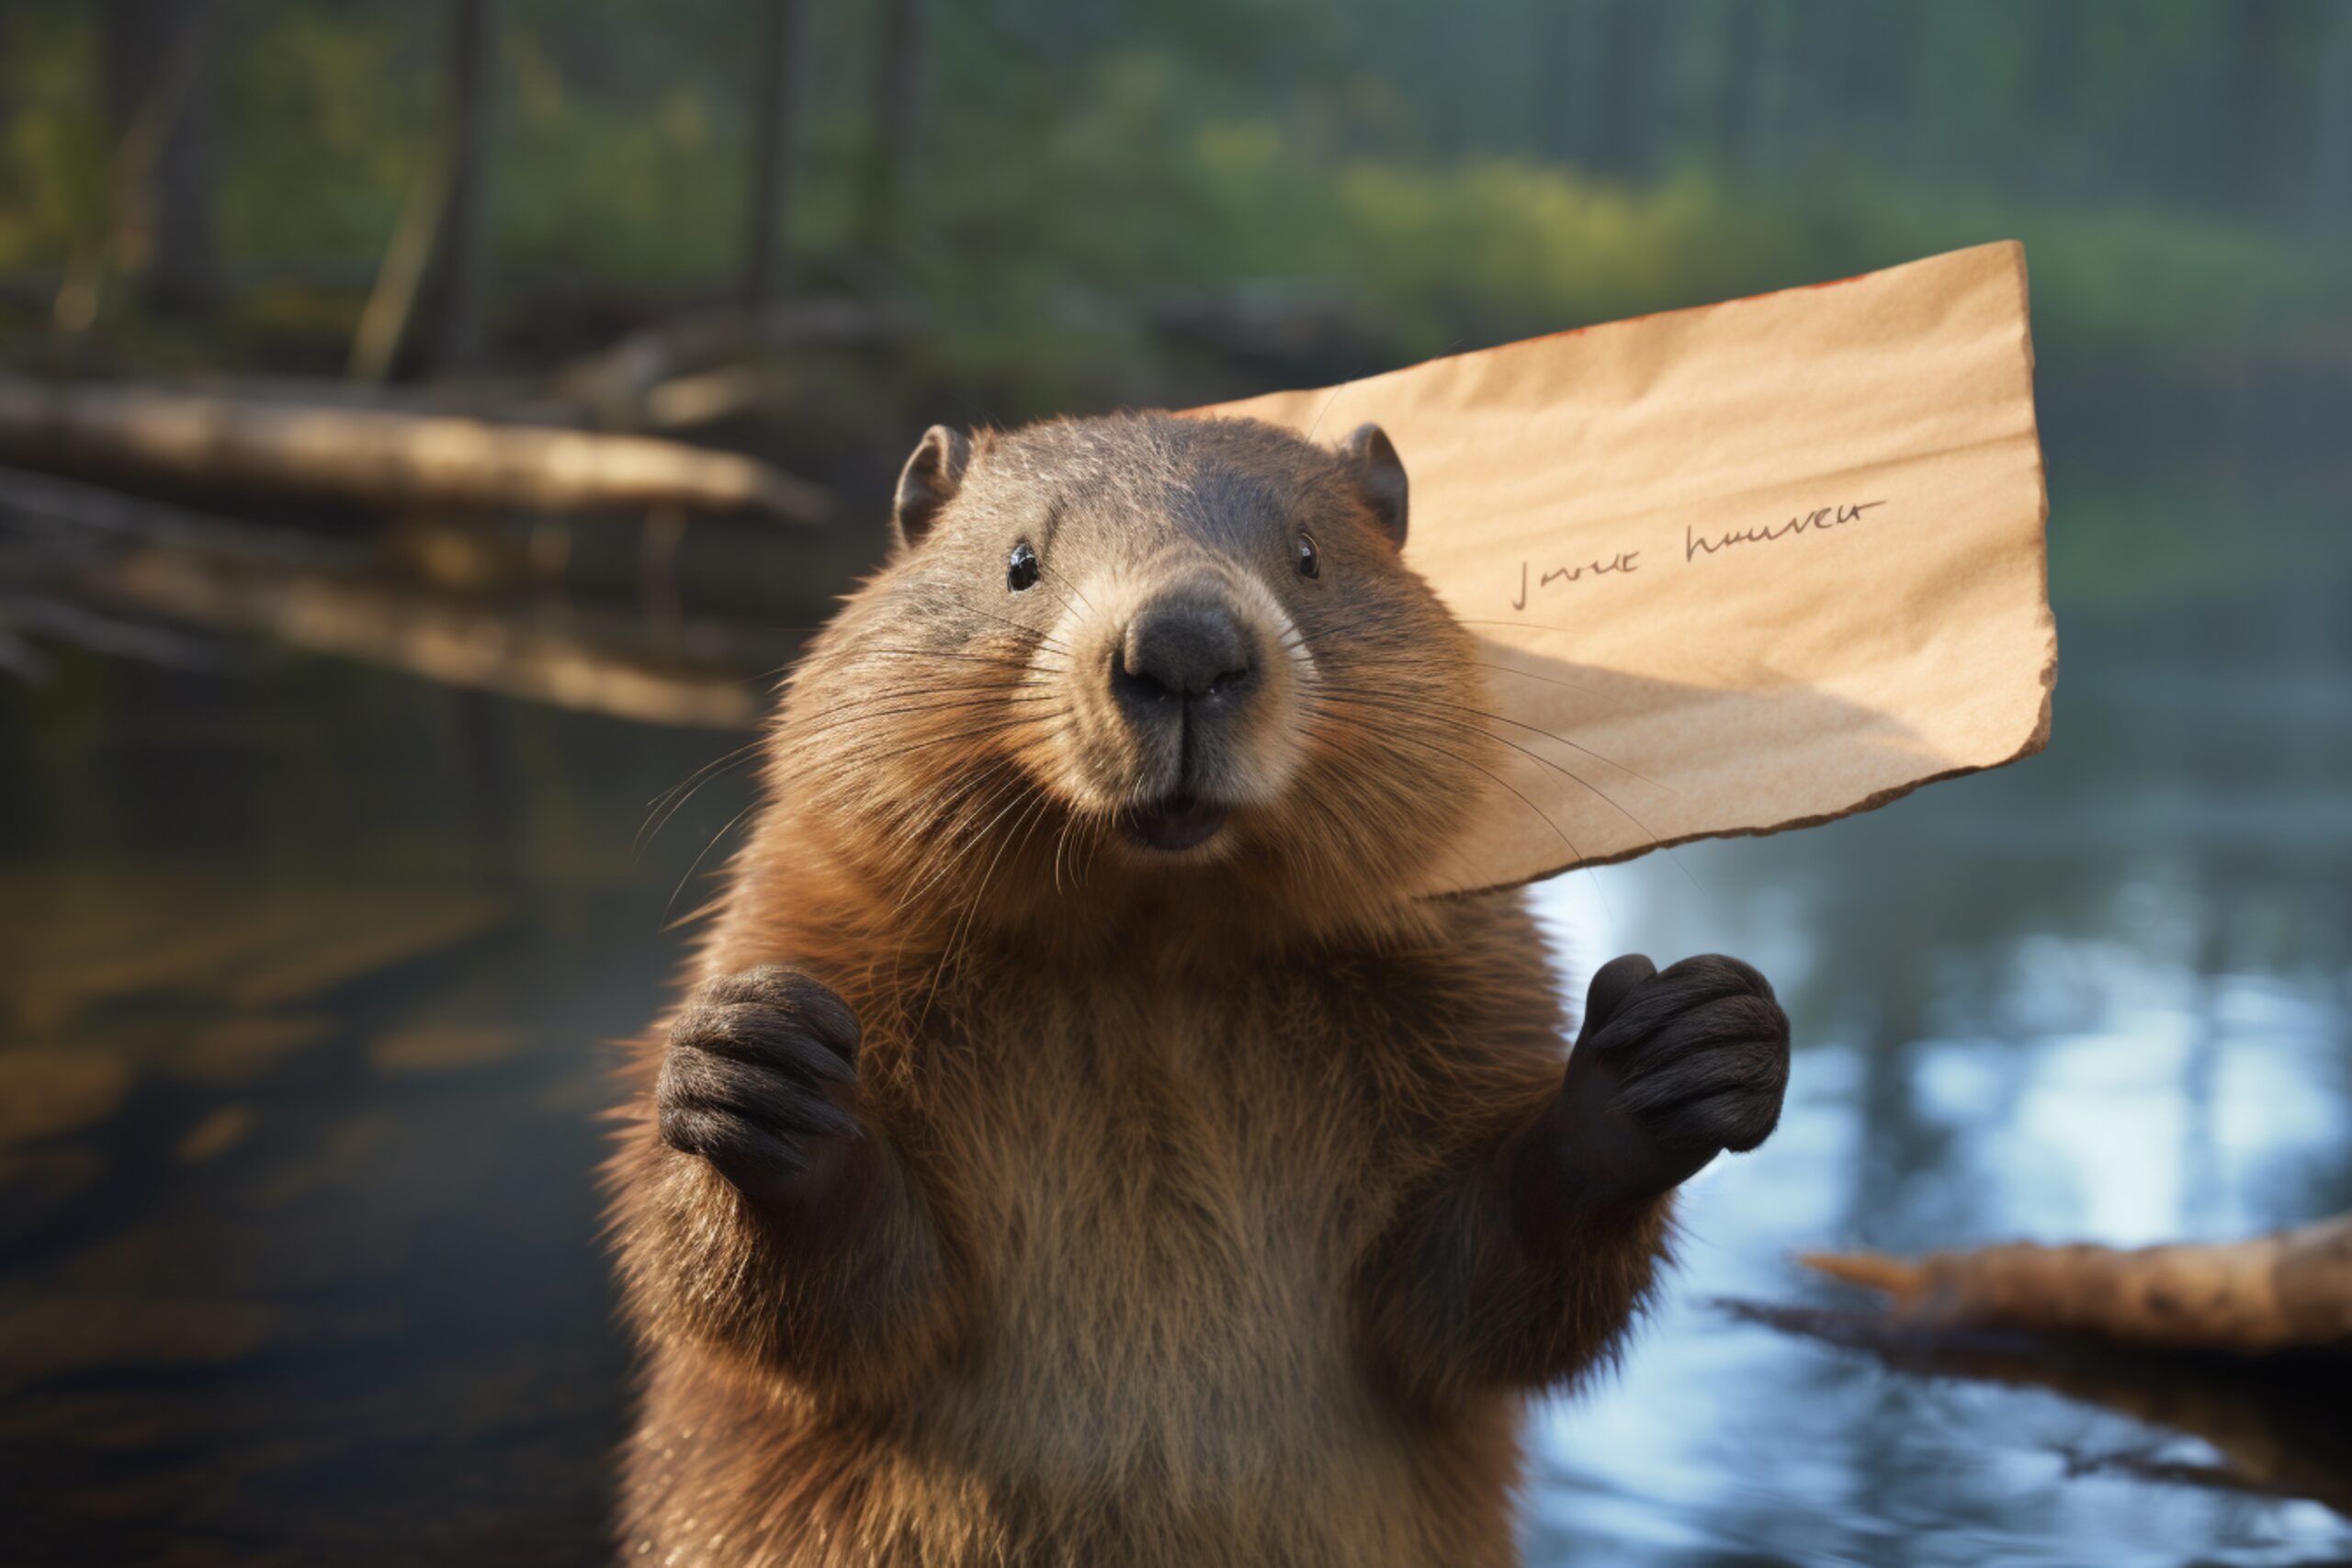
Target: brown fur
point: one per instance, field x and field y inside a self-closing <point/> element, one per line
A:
<point x="1181" y="1230"/>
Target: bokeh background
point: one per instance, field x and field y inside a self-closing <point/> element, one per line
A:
<point x="339" y="833"/>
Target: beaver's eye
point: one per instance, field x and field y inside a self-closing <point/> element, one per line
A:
<point x="1309" y="565"/>
<point x="1021" y="571"/>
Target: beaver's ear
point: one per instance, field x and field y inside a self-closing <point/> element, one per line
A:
<point x="927" y="483"/>
<point x="1380" y="476"/>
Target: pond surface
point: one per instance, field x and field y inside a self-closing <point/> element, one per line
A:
<point x="306" y="974"/>
<point x="2100" y="997"/>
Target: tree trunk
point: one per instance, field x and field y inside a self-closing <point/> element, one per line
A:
<point x="1625" y="137"/>
<point x="1743" y="103"/>
<point x="1813" y="111"/>
<point x="2331" y="124"/>
<point x="464" y="265"/>
<point x="161" y="60"/>
<point x="2259" y="45"/>
<point x="1554" y="122"/>
<point x="2061" y="50"/>
<point x="776" y="103"/>
<point x="896" y="70"/>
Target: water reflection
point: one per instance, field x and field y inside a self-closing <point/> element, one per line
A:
<point x="301" y="1074"/>
<point x="2101" y="996"/>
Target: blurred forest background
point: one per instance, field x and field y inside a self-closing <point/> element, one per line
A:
<point x="427" y="424"/>
<point x="1057" y="187"/>
<point x="804" y="230"/>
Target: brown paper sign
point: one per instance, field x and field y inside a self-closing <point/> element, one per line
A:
<point x="1735" y="569"/>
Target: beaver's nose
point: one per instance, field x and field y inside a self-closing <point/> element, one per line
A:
<point x="1184" y="649"/>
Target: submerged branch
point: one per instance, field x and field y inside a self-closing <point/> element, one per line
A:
<point x="100" y="634"/>
<point x="2276" y="1422"/>
<point x="94" y="517"/>
<point x="440" y="640"/>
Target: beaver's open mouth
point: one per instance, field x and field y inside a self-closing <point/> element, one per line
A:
<point x="1178" y="822"/>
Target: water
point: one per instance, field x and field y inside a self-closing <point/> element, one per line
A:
<point x="2027" y="1009"/>
<point x="306" y="972"/>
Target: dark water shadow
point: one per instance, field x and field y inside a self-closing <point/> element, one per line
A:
<point x="2277" y="1424"/>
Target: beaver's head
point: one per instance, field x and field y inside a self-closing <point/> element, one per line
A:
<point x="1142" y="655"/>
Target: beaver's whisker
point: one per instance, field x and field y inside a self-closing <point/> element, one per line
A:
<point x="1517" y="723"/>
<point x="1037" y="691"/>
<point x="1646" y="829"/>
<point x="1548" y="679"/>
<point x="1043" y="640"/>
<point x="663" y="807"/>
<point x="1005" y="783"/>
<point x="956" y="935"/>
<point x="1521" y="626"/>
<point x="1072" y="583"/>
<point x="1324" y="409"/>
<point x="667" y="924"/>
<point x="941" y="653"/>
<point x="1000" y="728"/>
<point x="1401" y="732"/>
<point x="960" y="656"/>
<point x="864" y="715"/>
<point x="1059" y="597"/>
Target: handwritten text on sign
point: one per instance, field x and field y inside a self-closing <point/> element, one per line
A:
<point x="1696" y="546"/>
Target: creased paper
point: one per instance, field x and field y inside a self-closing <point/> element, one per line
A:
<point x="1734" y="569"/>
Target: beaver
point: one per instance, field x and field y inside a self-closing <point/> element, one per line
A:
<point x="1074" y="1147"/>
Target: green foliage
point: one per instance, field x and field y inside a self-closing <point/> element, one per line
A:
<point x="52" y="152"/>
<point x="328" y="120"/>
<point x="1447" y="178"/>
<point x="1439" y="255"/>
<point x="2187" y="530"/>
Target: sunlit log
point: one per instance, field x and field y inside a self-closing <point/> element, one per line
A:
<point x="2288" y="1289"/>
<point x="380" y="456"/>
<point x="613" y="385"/>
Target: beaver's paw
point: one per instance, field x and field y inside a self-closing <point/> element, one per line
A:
<point x="1673" y="1067"/>
<point x="751" y="1083"/>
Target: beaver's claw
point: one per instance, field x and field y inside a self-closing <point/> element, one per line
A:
<point x="758" y="1067"/>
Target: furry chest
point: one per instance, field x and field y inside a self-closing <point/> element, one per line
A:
<point x="1164" y="1240"/>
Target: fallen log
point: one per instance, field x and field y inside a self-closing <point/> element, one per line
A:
<point x="61" y="622"/>
<point x="613" y="385"/>
<point x="2286" y="1290"/>
<point x="380" y="456"/>
<point x="64" y="544"/>
<point x="706" y="397"/>
<point x="97" y="519"/>
<point x="433" y="636"/>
